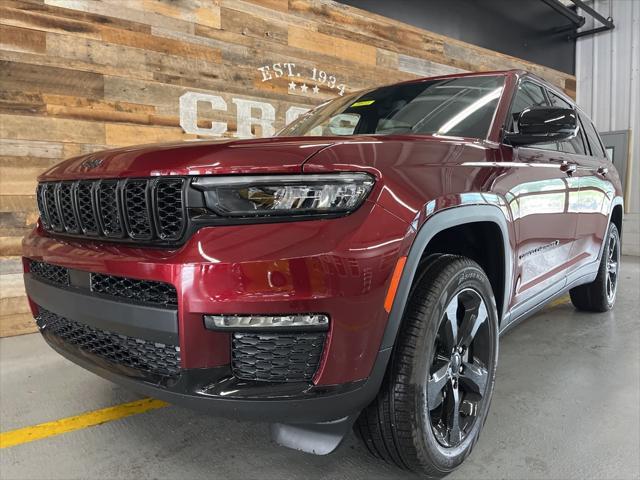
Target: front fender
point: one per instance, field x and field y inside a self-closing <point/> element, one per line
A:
<point x="435" y="223"/>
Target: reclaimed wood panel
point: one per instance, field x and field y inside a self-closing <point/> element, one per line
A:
<point x="23" y="39"/>
<point x="333" y="46"/>
<point x="78" y="76"/>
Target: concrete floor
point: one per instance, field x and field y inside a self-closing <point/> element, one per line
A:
<point x="565" y="406"/>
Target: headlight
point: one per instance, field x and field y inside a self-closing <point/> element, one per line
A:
<point x="273" y="195"/>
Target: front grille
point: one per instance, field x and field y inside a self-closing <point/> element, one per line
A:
<point x="131" y="289"/>
<point x="276" y="357"/>
<point x="141" y="355"/>
<point x="146" y="210"/>
<point x="50" y="273"/>
<point x="146" y="291"/>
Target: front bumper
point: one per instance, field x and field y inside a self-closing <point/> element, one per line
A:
<point x="341" y="267"/>
<point x="215" y="390"/>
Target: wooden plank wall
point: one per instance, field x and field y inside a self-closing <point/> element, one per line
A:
<point x="82" y="75"/>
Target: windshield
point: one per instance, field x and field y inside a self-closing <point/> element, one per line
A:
<point x="458" y="107"/>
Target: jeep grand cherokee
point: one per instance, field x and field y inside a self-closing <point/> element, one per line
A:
<point x="356" y="270"/>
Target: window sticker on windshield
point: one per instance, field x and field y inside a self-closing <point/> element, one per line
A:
<point x="362" y="103"/>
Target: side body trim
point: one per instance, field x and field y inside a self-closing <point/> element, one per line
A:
<point x="585" y="274"/>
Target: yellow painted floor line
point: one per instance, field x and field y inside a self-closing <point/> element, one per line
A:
<point x="559" y="301"/>
<point x="70" y="424"/>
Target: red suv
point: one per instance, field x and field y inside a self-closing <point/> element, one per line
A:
<point x="355" y="270"/>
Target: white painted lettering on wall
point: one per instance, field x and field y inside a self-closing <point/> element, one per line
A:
<point x="246" y="119"/>
<point x="309" y="83"/>
<point x="189" y="113"/>
<point x="249" y="113"/>
<point x="254" y="113"/>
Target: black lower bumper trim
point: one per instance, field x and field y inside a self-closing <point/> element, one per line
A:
<point x="218" y="392"/>
<point x="144" y="357"/>
<point x="139" y="321"/>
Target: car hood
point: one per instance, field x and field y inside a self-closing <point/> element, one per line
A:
<point x="218" y="157"/>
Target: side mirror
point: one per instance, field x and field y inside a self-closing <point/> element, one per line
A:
<point x="543" y="125"/>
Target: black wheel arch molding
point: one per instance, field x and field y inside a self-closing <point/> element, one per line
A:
<point x="436" y="223"/>
<point x="617" y="201"/>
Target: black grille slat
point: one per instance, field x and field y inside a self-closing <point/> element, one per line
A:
<point x="141" y="355"/>
<point x="54" y="274"/>
<point x="137" y="210"/>
<point x="109" y="208"/>
<point x="44" y="217"/>
<point x="67" y="208"/>
<point x="136" y="207"/>
<point x="145" y="291"/>
<point x="169" y="208"/>
<point x="86" y="208"/>
<point x="51" y="204"/>
<point x="276" y="357"/>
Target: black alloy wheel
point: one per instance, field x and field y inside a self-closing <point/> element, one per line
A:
<point x="458" y="374"/>
<point x="437" y="392"/>
<point x="613" y="263"/>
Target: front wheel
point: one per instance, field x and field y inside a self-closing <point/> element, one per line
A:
<point x="436" y="395"/>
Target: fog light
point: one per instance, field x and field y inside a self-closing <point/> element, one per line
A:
<point x="266" y="322"/>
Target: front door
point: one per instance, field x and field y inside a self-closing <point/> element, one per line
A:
<point x="545" y="225"/>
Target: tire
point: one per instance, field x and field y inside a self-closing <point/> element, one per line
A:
<point x="398" y="426"/>
<point x="600" y="295"/>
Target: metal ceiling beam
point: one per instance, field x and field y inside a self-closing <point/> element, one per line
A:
<point x="578" y="21"/>
<point x="607" y="23"/>
<point x="563" y="10"/>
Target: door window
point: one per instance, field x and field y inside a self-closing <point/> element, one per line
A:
<point x="558" y="101"/>
<point x="529" y="95"/>
<point x="576" y="145"/>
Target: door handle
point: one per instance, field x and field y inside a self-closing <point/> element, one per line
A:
<point x="603" y="171"/>
<point x="568" y="168"/>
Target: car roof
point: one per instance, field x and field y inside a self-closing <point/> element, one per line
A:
<point x="517" y="73"/>
<point x="504" y="73"/>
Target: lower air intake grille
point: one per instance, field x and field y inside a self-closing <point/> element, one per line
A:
<point x="135" y="353"/>
<point x="277" y="357"/>
<point x="146" y="291"/>
<point x="50" y="273"/>
<point x="131" y="289"/>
